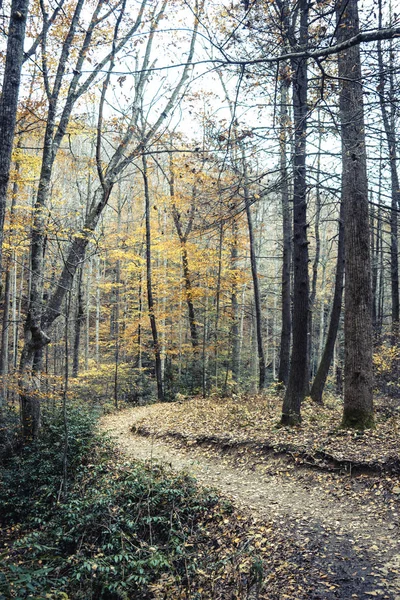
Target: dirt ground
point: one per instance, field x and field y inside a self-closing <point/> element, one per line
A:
<point x="347" y="524"/>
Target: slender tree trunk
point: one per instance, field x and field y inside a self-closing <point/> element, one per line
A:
<point x="18" y="310"/>
<point x="376" y="272"/>
<point x="5" y="332"/>
<point x="9" y="100"/>
<point x="150" y="298"/>
<point x="79" y="317"/>
<point x="297" y="383"/>
<point x="286" y="309"/>
<point x="117" y="327"/>
<point x="5" y="338"/>
<point x="241" y="328"/>
<point x="254" y="274"/>
<point x="87" y="314"/>
<point x="235" y="339"/>
<point x="14" y="310"/>
<point x="319" y="350"/>
<point x="358" y="378"/>
<point x="314" y="280"/>
<point x="189" y="297"/>
<point x="183" y="233"/>
<point x="389" y="122"/>
<point x="116" y="334"/>
<point x="327" y="356"/>
<point x="204" y="349"/>
<point x="139" y="342"/>
<point x="218" y="301"/>
<point x="97" y="329"/>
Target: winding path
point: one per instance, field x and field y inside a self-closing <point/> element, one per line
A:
<point x="358" y="548"/>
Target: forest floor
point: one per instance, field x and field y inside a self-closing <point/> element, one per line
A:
<point x="331" y="496"/>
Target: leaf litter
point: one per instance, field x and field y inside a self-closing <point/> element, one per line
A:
<point x="326" y="528"/>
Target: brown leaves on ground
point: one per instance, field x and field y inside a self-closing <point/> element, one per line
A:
<point x="239" y="557"/>
<point x="240" y="421"/>
<point x="319" y="534"/>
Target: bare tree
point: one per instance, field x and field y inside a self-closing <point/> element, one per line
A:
<point x="297" y="383"/>
<point x="40" y="317"/>
<point x="9" y="100"/>
<point x="358" y="378"/>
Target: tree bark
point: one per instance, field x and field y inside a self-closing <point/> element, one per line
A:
<point x="327" y="356"/>
<point x="9" y="100"/>
<point x="389" y="123"/>
<point x="254" y="274"/>
<point x="286" y="307"/>
<point x="314" y="279"/>
<point x="235" y="337"/>
<point x="358" y="378"/>
<point x="150" y="297"/>
<point x="183" y="236"/>
<point x="79" y="318"/>
<point x="295" y="392"/>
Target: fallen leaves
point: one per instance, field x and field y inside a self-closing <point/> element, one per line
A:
<point x="246" y="421"/>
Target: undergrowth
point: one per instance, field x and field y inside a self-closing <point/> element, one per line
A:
<point x="116" y="530"/>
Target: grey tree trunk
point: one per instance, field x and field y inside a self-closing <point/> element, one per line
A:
<point x="183" y="234"/>
<point x="256" y="287"/>
<point x="295" y="391"/>
<point x="235" y="337"/>
<point x="5" y="338"/>
<point x="79" y="319"/>
<point x="286" y="307"/>
<point x="314" y="279"/>
<point x="150" y="297"/>
<point x="9" y="100"/>
<point x="358" y="378"/>
<point x="218" y="301"/>
<point x="318" y="385"/>
<point x="389" y="122"/>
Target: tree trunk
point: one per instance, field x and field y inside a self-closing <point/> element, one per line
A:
<point x="327" y="356"/>
<point x="9" y="100"/>
<point x="150" y="297"/>
<point x="291" y="410"/>
<point x="218" y="301"/>
<point x="358" y="378"/>
<point x="254" y="274"/>
<point x="79" y="318"/>
<point x="286" y="309"/>
<point x="389" y="123"/>
<point x="314" y="279"/>
<point x="5" y="338"/>
<point x="117" y="316"/>
<point x="183" y="234"/>
<point x="235" y="338"/>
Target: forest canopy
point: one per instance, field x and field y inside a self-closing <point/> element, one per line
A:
<point x="182" y="186"/>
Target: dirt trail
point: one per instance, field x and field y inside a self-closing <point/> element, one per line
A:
<point x="356" y="546"/>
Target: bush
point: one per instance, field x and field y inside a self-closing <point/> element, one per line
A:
<point x="121" y="528"/>
<point x="31" y="479"/>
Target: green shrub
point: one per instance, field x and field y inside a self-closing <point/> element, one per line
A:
<point x="31" y="479"/>
<point x="121" y="528"/>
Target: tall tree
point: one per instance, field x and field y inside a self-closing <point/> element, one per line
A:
<point x="389" y="122"/>
<point x="297" y="383"/>
<point x="254" y="274"/>
<point x="286" y="310"/>
<point x="358" y="377"/>
<point x="9" y="100"/>
<point x="321" y="375"/>
<point x="183" y="232"/>
<point x="40" y="318"/>
<point x="149" y="285"/>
